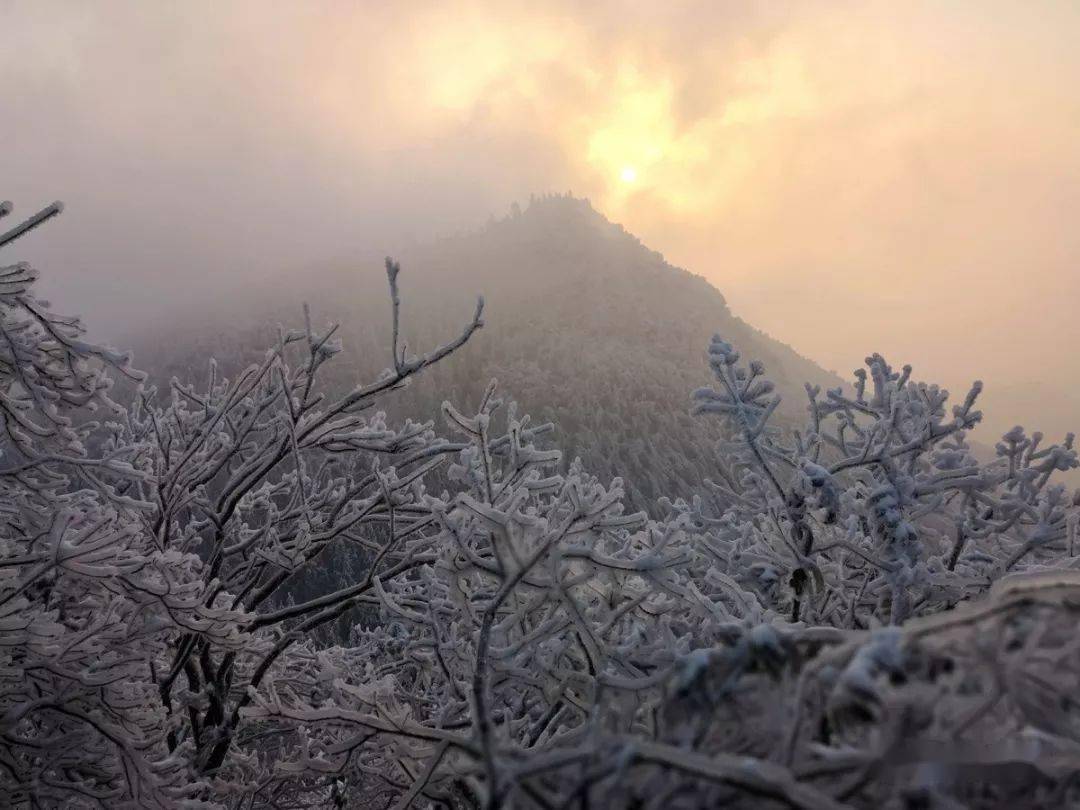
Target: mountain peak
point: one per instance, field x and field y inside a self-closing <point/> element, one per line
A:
<point x="585" y="327"/>
<point x="553" y="206"/>
<point x="563" y="214"/>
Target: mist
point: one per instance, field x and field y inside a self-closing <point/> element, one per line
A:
<point x="854" y="177"/>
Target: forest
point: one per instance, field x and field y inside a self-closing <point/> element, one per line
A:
<point x="259" y="588"/>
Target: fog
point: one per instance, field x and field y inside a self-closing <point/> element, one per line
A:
<point x="855" y="177"/>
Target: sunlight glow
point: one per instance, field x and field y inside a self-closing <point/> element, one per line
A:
<point x="628" y="174"/>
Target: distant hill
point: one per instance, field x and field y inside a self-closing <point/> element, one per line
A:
<point x="585" y="327"/>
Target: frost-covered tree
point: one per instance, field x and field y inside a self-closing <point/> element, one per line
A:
<point x="878" y="509"/>
<point x="259" y="477"/>
<point x="532" y="647"/>
<point x="860" y="613"/>
<point x="560" y="653"/>
<point x="146" y="555"/>
<point x="83" y="590"/>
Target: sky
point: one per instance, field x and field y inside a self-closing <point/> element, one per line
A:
<point x="853" y="176"/>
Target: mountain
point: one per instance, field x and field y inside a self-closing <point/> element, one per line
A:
<point x="584" y="327"/>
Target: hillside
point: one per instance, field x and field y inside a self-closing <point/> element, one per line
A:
<point x="585" y="327"/>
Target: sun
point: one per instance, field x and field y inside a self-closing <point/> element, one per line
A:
<point x="628" y="174"/>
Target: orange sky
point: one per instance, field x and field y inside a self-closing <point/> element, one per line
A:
<point x="854" y="176"/>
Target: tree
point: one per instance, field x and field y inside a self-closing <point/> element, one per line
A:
<point x="560" y="652"/>
<point x="879" y="504"/>
<point x="861" y="613"/>
<point x="145" y="558"/>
